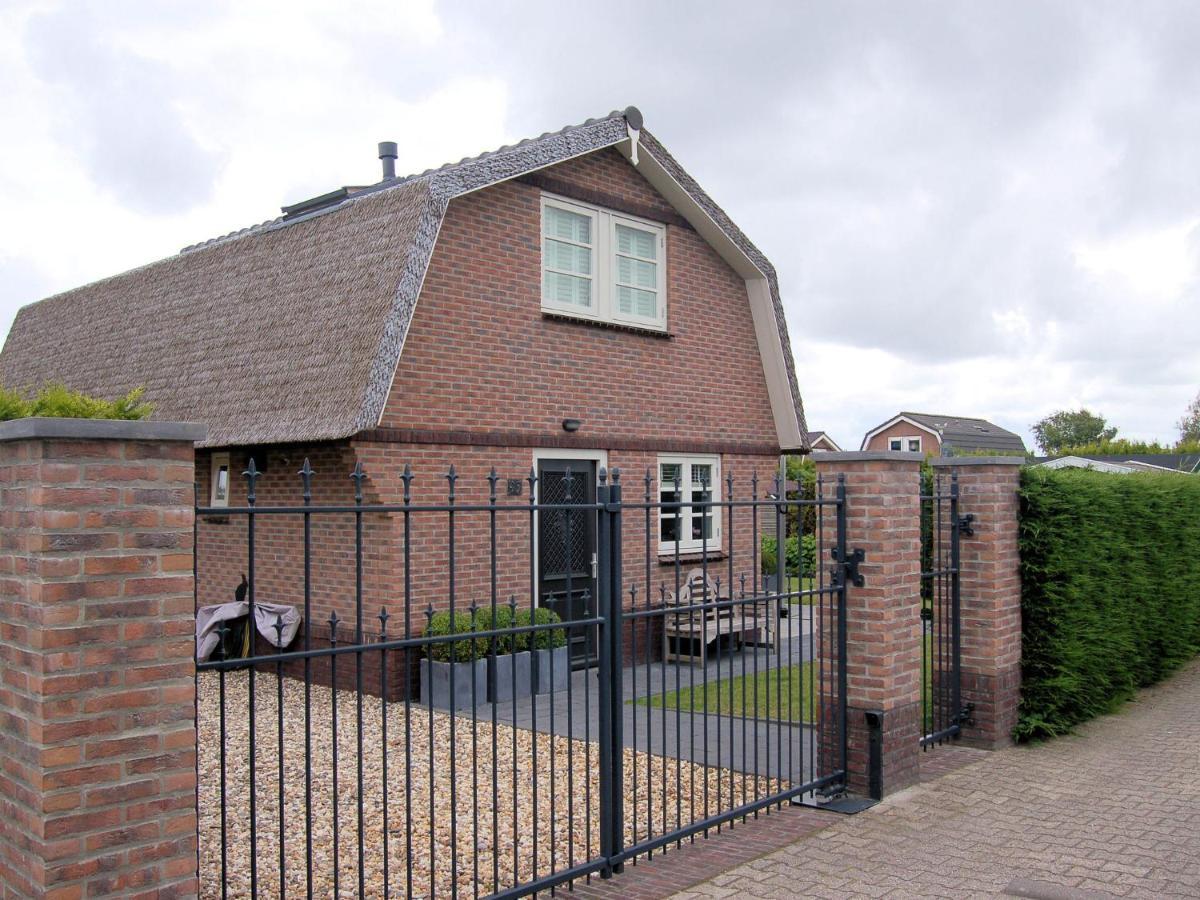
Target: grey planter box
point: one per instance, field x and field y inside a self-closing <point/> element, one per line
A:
<point x="500" y="676"/>
<point x="549" y="676"/>
<point x="435" y="683"/>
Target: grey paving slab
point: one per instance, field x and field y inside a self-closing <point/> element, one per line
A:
<point x="765" y="746"/>
<point x="1113" y="810"/>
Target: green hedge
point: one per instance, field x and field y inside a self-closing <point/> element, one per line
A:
<point x="1110" y="595"/>
<point x="56" y="401"/>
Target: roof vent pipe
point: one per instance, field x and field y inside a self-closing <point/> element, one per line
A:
<point x="387" y="153"/>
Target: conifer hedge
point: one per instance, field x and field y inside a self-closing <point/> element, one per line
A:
<point x="1110" y="590"/>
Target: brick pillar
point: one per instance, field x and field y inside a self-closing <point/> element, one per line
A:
<point x="97" y="697"/>
<point x="990" y="592"/>
<point x="883" y="617"/>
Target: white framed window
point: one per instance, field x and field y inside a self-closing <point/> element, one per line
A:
<point x="219" y="482"/>
<point x="603" y="265"/>
<point x="693" y="482"/>
<point x="910" y="443"/>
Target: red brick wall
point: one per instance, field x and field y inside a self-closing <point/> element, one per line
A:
<point x="883" y="621"/>
<point x="881" y="441"/>
<point x="223" y="540"/>
<point x="97" y="702"/>
<point x="279" y="557"/>
<point x="480" y="360"/>
<point x="480" y="356"/>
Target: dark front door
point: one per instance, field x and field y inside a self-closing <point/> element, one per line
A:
<point x="567" y="548"/>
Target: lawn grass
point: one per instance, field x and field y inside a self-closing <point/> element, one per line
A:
<point x="775" y="694"/>
<point x="796" y="583"/>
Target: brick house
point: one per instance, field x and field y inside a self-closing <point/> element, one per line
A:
<point x="941" y="435"/>
<point x="575" y="300"/>
<point x="820" y="441"/>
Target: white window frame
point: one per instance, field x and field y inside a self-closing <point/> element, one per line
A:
<point x="604" y="281"/>
<point x="690" y="545"/>
<point x="904" y="440"/>
<point x="219" y="460"/>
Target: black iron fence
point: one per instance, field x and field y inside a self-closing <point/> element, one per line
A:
<point x="943" y="713"/>
<point x="654" y="679"/>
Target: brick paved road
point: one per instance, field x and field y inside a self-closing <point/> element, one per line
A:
<point x="1111" y="811"/>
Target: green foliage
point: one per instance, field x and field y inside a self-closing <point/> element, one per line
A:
<point x="1071" y="428"/>
<point x="787" y="694"/>
<point x="57" y="401"/>
<point x="1122" y="447"/>
<point x="498" y="619"/>
<point x="548" y="639"/>
<point x="1189" y="425"/>
<point x="802" y="471"/>
<point x="1110" y="590"/>
<point x="461" y="650"/>
<point x="800" y="555"/>
<point x="12" y="405"/>
<point x="975" y="451"/>
<point x="769" y="555"/>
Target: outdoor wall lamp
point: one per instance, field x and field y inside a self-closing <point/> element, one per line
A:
<point x="571" y="425"/>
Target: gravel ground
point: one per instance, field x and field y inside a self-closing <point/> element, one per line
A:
<point x="564" y="824"/>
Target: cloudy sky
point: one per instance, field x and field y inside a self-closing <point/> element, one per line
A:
<point x="981" y="209"/>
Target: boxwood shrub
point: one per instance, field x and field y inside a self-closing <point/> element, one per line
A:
<point x="488" y="619"/>
<point x="1110" y="590"/>
<point x="462" y="650"/>
<point x="548" y="639"/>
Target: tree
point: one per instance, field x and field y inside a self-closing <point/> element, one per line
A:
<point x="1071" y="428"/>
<point x="1189" y="425"/>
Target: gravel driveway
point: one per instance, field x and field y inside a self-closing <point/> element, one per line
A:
<point x="489" y="847"/>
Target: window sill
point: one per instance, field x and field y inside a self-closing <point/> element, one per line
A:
<point x="692" y="556"/>
<point x="601" y="323"/>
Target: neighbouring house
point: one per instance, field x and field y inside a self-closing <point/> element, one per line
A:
<point x="574" y="300"/>
<point x="1179" y="463"/>
<point x="940" y="435"/>
<point x="821" y="441"/>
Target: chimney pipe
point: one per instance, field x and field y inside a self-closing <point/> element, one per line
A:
<point x="387" y="153"/>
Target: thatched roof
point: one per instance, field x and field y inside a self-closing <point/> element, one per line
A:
<point x="292" y="330"/>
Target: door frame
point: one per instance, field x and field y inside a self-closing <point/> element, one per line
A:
<point x="599" y="457"/>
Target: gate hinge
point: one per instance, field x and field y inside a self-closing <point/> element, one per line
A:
<point x="847" y="568"/>
<point x="966" y="716"/>
<point x="966" y="524"/>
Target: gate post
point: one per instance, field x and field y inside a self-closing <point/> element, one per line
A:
<point x="883" y="616"/>
<point x="97" y="651"/>
<point x="611" y="711"/>
<point x="990" y="590"/>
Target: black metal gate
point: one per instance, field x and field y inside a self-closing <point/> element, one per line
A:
<point x="447" y="746"/>
<point x="943" y="713"/>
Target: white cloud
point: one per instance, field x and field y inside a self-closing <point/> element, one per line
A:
<point x="977" y="209"/>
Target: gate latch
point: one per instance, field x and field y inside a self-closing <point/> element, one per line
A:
<point x="966" y="524"/>
<point x="847" y="569"/>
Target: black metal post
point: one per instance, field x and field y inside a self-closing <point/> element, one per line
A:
<point x="605" y="603"/>
<point x="616" y="666"/>
<point x="843" y="681"/>
<point x="955" y="605"/>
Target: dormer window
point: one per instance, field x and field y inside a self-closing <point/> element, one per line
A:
<point x="602" y="265"/>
